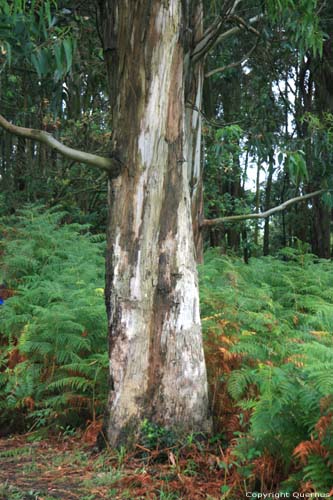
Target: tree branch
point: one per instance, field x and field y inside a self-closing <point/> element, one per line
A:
<point x="233" y="9"/>
<point x="245" y="25"/>
<point x="213" y="35"/>
<point x="110" y="165"/>
<point x="261" y="215"/>
<point x="232" y="65"/>
<point x="208" y="40"/>
<point x="237" y="29"/>
<point x="212" y="123"/>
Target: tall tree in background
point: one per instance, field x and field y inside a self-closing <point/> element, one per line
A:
<point x="315" y="109"/>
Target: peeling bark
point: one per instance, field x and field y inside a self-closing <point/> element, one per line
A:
<point x="157" y="366"/>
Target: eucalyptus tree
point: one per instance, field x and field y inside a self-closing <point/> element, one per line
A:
<point x="154" y="53"/>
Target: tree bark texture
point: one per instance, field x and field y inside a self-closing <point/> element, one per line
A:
<point x="157" y="366"/>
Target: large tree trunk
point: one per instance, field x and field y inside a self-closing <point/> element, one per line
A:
<point x="157" y="366"/>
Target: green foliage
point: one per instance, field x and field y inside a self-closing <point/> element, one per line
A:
<point x="53" y="328"/>
<point x="318" y="473"/>
<point x="296" y="167"/>
<point x="155" y="436"/>
<point x="278" y="316"/>
<point x="33" y="33"/>
<point x="300" y="20"/>
<point x="43" y="88"/>
<point x="321" y="130"/>
<point x="222" y="174"/>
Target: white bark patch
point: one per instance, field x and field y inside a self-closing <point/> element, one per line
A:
<point x="185" y="372"/>
<point x="162" y="19"/>
<point x="130" y="321"/>
<point x="116" y="253"/>
<point x="197" y="153"/>
<point x="138" y="202"/>
<point x="132" y="40"/>
<point x="187" y="292"/>
<point x="151" y="121"/>
<point x="196" y="111"/>
<point x="135" y="284"/>
<point x="116" y="274"/>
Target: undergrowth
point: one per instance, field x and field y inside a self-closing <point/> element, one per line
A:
<point x="268" y="337"/>
<point x="53" y="356"/>
<point x="268" y="330"/>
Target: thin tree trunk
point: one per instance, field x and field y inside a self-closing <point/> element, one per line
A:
<point x="321" y="229"/>
<point x="193" y="81"/>
<point x="231" y="100"/>
<point x="257" y="209"/>
<point x="157" y="366"/>
<point x="268" y="202"/>
<point x="193" y="158"/>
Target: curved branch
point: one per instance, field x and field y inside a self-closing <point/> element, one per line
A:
<point x="212" y="123"/>
<point x="245" y="25"/>
<point x="237" y="29"/>
<point x="213" y="35"/>
<point x="261" y="215"/>
<point x="110" y="165"/>
<point x="208" y="40"/>
<point x="232" y="65"/>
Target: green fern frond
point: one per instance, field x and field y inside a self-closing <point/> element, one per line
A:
<point x="238" y="382"/>
<point x="74" y="383"/>
<point x="318" y="472"/>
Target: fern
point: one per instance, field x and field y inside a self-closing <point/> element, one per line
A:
<point x="282" y="384"/>
<point x="318" y="472"/>
<point x="56" y="319"/>
<point x="239" y="381"/>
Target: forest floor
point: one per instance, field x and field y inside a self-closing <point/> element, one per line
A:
<point x="69" y="469"/>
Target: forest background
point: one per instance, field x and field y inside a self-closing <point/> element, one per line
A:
<point x="266" y="283"/>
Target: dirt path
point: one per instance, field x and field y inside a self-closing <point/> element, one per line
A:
<point x="43" y="470"/>
<point x="67" y="469"/>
